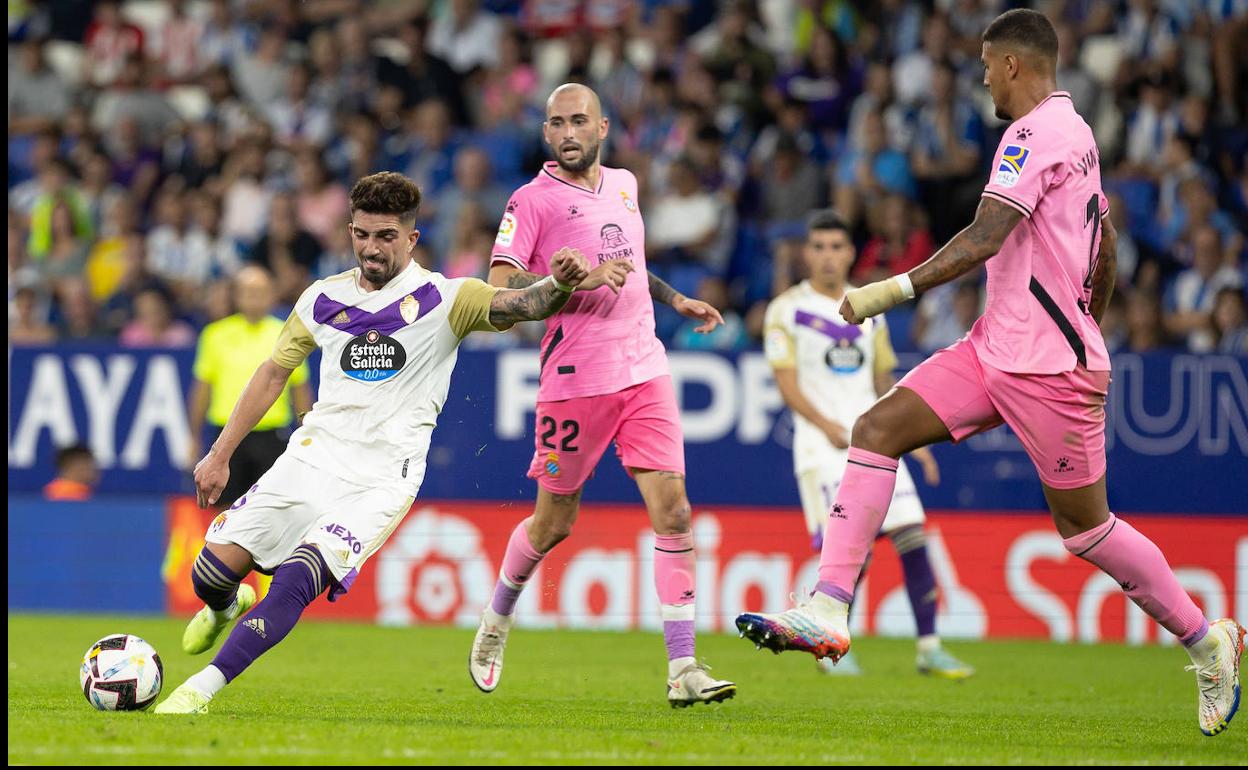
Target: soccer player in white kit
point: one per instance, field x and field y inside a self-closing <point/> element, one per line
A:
<point x="389" y="333"/>
<point x="829" y="372"/>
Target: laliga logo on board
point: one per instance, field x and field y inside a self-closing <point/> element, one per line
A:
<point x="436" y="563"/>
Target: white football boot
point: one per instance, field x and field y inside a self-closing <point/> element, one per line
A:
<point x="485" y="662"/>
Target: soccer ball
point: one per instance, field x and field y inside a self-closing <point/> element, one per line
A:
<point x="121" y="672"/>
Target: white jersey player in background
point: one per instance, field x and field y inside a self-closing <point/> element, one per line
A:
<point x="830" y="372"/>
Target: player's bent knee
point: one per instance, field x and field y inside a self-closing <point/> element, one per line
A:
<point x="305" y="574"/>
<point x="872" y="434"/>
<point x="674" y="519"/>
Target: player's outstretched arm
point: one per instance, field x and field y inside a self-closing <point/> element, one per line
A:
<point x="994" y="221"/>
<point x="262" y="391"/>
<point x="568" y="268"/>
<point x="661" y="291"/>
<point x="1106" y="270"/>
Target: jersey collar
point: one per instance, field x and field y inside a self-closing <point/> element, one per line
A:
<point x="602" y="178"/>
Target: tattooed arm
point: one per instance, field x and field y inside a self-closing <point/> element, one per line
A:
<point x="661" y="291"/>
<point x="973" y="246"/>
<point x="508" y="277"/>
<point x="540" y="299"/>
<point x="1106" y="270"/>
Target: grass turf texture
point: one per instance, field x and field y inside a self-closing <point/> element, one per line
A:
<point x="358" y="694"/>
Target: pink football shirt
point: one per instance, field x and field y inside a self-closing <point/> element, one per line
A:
<point x="600" y="342"/>
<point x="1040" y="282"/>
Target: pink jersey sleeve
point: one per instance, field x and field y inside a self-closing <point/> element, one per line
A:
<point x="1023" y="170"/>
<point x="519" y="233"/>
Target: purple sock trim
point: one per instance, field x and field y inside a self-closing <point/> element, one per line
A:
<point x="296" y="583"/>
<point x="505" y="597"/>
<point x="678" y="635"/>
<point x="835" y="591"/>
<point x="921" y="588"/>
<point x="214" y="583"/>
<point x="1196" y="635"/>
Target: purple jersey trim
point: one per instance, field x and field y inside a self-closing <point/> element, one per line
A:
<point x="340" y="587"/>
<point x="387" y="320"/>
<point x="831" y="329"/>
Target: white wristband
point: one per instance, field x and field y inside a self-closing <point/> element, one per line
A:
<point x="560" y="286"/>
<point x="907" y="286"/>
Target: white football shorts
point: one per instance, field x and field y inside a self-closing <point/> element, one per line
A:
<point x="818" y="488"/>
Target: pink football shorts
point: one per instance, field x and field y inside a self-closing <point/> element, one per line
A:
<point x="1060" y="418"/>
<point x="572" y="434"/>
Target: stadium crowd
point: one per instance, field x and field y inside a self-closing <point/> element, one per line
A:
<point x="157" y="146"/>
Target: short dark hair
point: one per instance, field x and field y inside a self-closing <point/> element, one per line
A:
<point x="1026" y="28"/>
<point x="386" y="192"/>
<point x="68" y="454"/>
<point x="826" y="219"/>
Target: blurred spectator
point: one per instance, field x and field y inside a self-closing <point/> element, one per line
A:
<point x="136" y="165"/>
<point x="422" y="75"/>
<point x="56" y="193"/>
<point x="77" y="316"/>
<point x="946" y="154"/>
<point x="1084" y="90"/>
<point x="27" y="324"/>
<point x="288" y="251"/>
<point x="825" y="81"/>
<point x="1230" y="321"/>
<point x="1145" y="329"/>
<point x="466" y="36"/>
<point x="261" y="75"/>
<point x="245" y="204"/>
<point x="430" y="158"/>
<point x="1191" y="295"/>
<point x="100" y="194"/>
<point x="107" y="261"/>
<point x="620" y="85"/>
<point x="297" y="119"/>
<point x="38" y="98"/>
<point x="791" y="188"/>
<point x="228" y="353"/>
<point x="110" y="41"/>
<point x="512" y="78"/>
<point x="76" y="475"/>
<point x="154" y="324"/>
<point x="468" y="253"/>
<point x="67" y="248"/>
<point x="946" y="313"/>
<point x="899" y="244"/>
<point x="735" y="54"/>
<point x="321" y="202"/>
<point x="912" y="72"/>
<point x="877" y="96"/>
<point x="686" y="223"/>
<point x="176" y="45"/>
<point x="730" y="336"/>
<point x="870" y="171"/>
<point x="473" y="186"/>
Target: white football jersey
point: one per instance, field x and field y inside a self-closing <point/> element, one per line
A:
<point x="836" y="365"/>
<point x="386" y="362"/>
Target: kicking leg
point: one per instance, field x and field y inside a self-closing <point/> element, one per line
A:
<point x="530" y="541"/>
<point x="297" y="582"/>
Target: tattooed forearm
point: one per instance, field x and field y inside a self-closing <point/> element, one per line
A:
<point x="1105" y="271"/>
<point x="973" y="246"/>
<point x="541" y="300"/>
<point x="521" y="279"/>
<point x="660" y="291"/>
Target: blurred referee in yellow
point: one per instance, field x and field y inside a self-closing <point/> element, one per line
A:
<point x="229" y="351"/>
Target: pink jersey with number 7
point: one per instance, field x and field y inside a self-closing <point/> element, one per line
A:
<point x="1037" y="319"/>
<point x="601" y="342"/>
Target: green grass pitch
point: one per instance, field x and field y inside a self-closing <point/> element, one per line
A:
<point x="359" y="694"/>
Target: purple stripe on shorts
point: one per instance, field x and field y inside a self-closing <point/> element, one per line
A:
<point x="340" y="587"/>
<point x="387" y="320"/>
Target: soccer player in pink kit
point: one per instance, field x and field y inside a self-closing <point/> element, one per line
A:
<point x="1035" y="361"/>
<point x="604" y="377"/>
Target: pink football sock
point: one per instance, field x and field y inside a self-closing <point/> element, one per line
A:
<point x="674" y="570"/>
<point x="1140" y="568"/>
<point x="855" y="519"/>
<point x="519" y="562"/>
